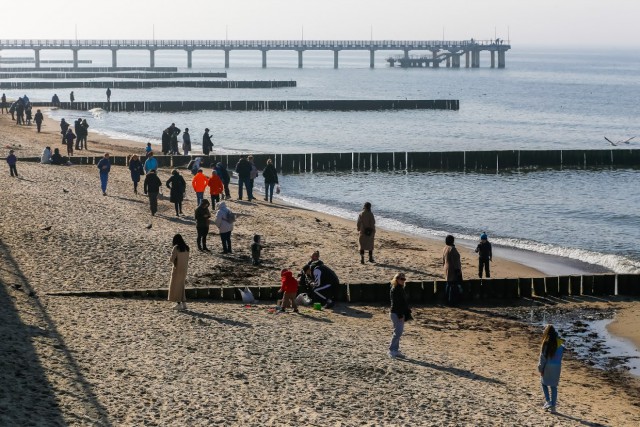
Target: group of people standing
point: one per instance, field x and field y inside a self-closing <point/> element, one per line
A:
<point x="170" y="144"/>
<point x="79" y="138"/>
<point x="21" y="111"/>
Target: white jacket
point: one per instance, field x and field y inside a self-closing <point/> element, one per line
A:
<point x="221" y="218"/>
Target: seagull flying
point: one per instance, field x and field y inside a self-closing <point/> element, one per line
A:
<point x="610" y="141"/>
<point x="627" y="141"/>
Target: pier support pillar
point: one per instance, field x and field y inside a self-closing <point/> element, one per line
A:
<point x="226" y="58"/>
<point x="434" y="56"/>
<point x="372" y="58"/>
<point x="466" y="59"/>
<point x="264" y="59"/>
<point x="75" y="58"/>
<point x="189" y="58"/>
<point x="455" y="61"/>
<point x="501" y="58"/>
<point x="475" y="59"/>
<point x="406" y="54"/>
<point x="114" y="58"/>
<point x="299" y="59"/>
<point x="152" y="58"/>
<point x="335" y="59"/>
<point x="493" y="59"/>
<point x="448" y="61"/>
<point x="37" y="57"/>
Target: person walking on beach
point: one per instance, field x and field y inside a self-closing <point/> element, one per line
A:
<point x="243" y="169"/>
<point x="252" y="175"/>
<point x="366" y="226"/>
<point x="289" y="290"/>
<point x="151" y="163"/>
<point x="224" y="221"/>
<point x="55" y="100"/>
<point x="39" y="118"/>
<point x="104" y="166"/>
<point x="179" y="264"/>
<point x="27" y="112"/>
<point x="72" y="97"/>
<point x="70" y="137"/>
<point x="76" y="128"/>
<point x="20" y="112"/>
<point x="108" y="94"/>
<point x="152" y="184"/>
<point x="84" y="133"/>
<point x="484" y="255"/>
<point x="177" y="186"/>
<point x="3" y="104"/>
<point x="549" y="366"/>
<point x="64" y="126"/>
<point x="207" y="144"/>
<point x="136" y="169"/>
<point x="270" y="175"/>
<point x="223" y="173"/>
<point x="203" y="217"/>
<point x="186" y="142"/>
<point x="199" y="184"/>
<point x="215" y="188"/>
<point x="11" y="161"/>
<point x="452" y="270"/>
<point x="399" y="313"/>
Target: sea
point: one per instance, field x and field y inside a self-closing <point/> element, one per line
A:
<point x="560" y="221"/>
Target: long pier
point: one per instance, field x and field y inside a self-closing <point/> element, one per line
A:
<point x="252" y="105"/>
<point x="76" y="74"/>
<point x="147" y="84"/>
<point x="452" y="49"/>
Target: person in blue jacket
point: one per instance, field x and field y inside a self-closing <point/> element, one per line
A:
<point x="549" y="366"/>
<point x="104" y="166"/>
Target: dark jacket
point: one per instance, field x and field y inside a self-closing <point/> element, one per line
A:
<point x="243" y="168"/>
<point x="484" y="250"/>
<point x="38" y="117"/>
<point x="202" y="216"/>
<point x="207" y="145"/>
<point x="223" y="173"/>
<point x="104" y="162"/>
<point x="399" y="303"/>
<point x="270" y="174"/>
<point x="135" y="166"/>
<point x="152" y="183"/>
<point x="178" y="185"/>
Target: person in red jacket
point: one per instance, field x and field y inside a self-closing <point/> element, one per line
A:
<point x="215" y="188"/>
<point x="199" y="183"/>
<point x="289" y="290"/>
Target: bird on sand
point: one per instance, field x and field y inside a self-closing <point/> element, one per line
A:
<point x="47" y="228"/>
<point x="318" y="220"/>
<point x="64" y="190"/>
<point x="149" y="226"/>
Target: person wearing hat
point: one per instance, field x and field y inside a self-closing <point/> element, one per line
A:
<point x="484" y="255"/>
<point x="207" y="144"/>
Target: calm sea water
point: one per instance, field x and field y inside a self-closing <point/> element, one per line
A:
<point x="543" y="100"/>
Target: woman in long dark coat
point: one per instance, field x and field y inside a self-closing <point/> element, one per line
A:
<point x="135" y="166"/>
<point x="178" y="186"/>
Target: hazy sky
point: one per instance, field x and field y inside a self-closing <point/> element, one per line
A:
<point x="543" y="22"/>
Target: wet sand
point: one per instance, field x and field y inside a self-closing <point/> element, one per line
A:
<point x="94" y="361"/>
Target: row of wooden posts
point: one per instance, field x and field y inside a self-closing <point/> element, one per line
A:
<point x="425" y="292"/>
<point x="483" y="161"/>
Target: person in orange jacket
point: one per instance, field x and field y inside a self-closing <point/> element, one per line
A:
<point x="289" y="290"/>
<point x="216" y="187"/>
<point x="199" y="183"/>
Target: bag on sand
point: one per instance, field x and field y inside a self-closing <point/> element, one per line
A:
<point x="247" y="296"/>
<point x="303" y="299"/>
<point x="277" y="189"/>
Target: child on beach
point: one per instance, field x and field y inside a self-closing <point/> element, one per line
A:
<point x="484" y="255"/>
<point x="147" y="149"/>
<point x="289" y="290"/>
<point x="549" y="366"/>
<point x="11" y="161"/>
<point x="256" y="249"/>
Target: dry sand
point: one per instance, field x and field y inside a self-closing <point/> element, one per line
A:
<point x="84" y="361"/>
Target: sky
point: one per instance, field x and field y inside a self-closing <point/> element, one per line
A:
<point x="579" y="23"/>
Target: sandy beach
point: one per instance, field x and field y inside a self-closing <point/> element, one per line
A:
<point x="123" y="362"/>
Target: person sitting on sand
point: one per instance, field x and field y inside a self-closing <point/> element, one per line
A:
<point x="56" y="157"/>
<point x="302" y="278"/>
<point x="179" y="264"/>
<point x="324" y="282"/>
<point x="289" y="290"/>
<point x="549" y="366"/>
<point x="45" y="158"/>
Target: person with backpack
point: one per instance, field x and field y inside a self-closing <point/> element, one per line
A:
<point x="225" y="219"/>
<point x="452" y="271"/>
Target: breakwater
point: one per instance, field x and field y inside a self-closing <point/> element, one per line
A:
<point x="85" y="69"/>
<point x="420" y="292"/>
<point x="312" y="105"/>
<point x="109" y="74"/>
<point x="478" y="161"/>
<point x="135" y="84"/>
